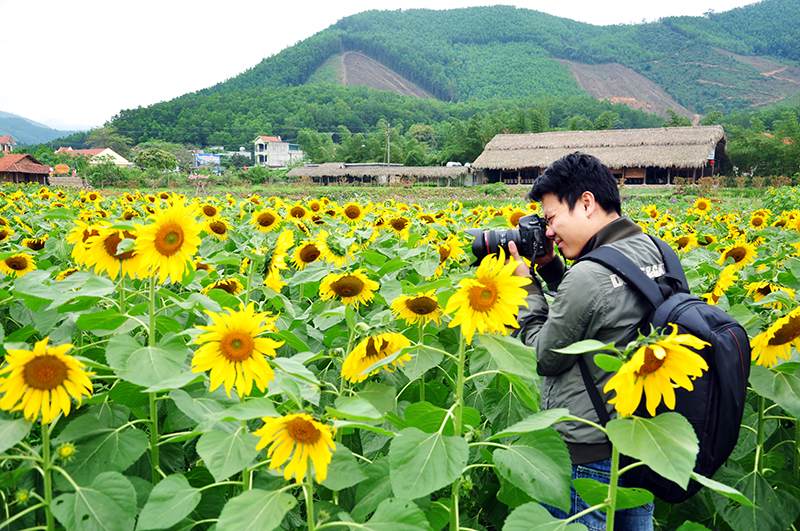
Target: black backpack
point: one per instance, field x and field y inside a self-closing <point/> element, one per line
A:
<point x="716" y="405"/>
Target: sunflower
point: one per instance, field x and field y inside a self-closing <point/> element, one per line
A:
<point x="758" y="221"/>
<point x="229" y="285"/>
<point x="704" y="240"/>
<point x="418" y="309"/>
<point x="101" y="252"/>
<point x="513" y="216"/>
<point x="266" y="220"/>
<point x="400" y="225"/>
<point x="42" y="380"/>
<point x="129" y="215"/>
<point x="277" y="261"/>
<point x="702" y="205"/>
<point x="777" y="340"/>
<point x="297" y="438"/>
<point x="533" y="206"/>
<point x="370" y="351"/>
<point x="35" y="244"/>
<point x="167" y="245"/>
<point x="67" y="272"/>
<point x="331" y="250"/>
<point x="489" y="301"/>
<point x="353" y="213"/>
<point x="684" y="242"/>
<point x="353" y="288"/>
<point x="218" y="228"/>
<point x="298" y="211"/>
<point x="17" y="265"/>
<point x="759" y="290"/>
<point x="209" y="211"/>
<point x="652" y="211"/>
<point x="725" y="281"/>
<point x="305" y="253"/>
<point x="657" y="369"/>
<point x="5" y="233"/>
<point x="451" y="250"/>
<point x="741" y="252"/>
<point x="233" y="352"/>
<point x="315" y="205"/>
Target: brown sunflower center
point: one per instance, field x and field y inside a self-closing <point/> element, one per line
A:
<point x="427" y="218"/>
<point x="704" y="240"/>
<point x="169" y="239"/>
<point x="374" y="348"/>
<point x="4" y="233"/>
<point x="737" y="253"/>
<point x="265" y="219"/>
<point x="227" y="285"/>
<point x="110" y="244"/>
<point x="787" y="333"/>
<point x="444" y="253"/>
<point x="682" y="242"/>
<point x="352" y="212"/>
<point x="236" y="345"/>
<point x="217" y="227"/>
<point x="297" y="212"/>
<point x="422" y="305"/>
<point x="303" y="431"/>
<point x="129" y="215"/>
<point x="764" y="290"/>
<point x="757" y="221"/>
<point x="515" y="218"/>
<point x="209" y="211"/>
<point x="44" y="372"/>
<point x="483" y="296"/>
<point x="399" y="224"/>
<point x="348" y="286"/>
<point x="17" y="263"/>
<point x="651" y="363"/>
<point x="309" y="253"/>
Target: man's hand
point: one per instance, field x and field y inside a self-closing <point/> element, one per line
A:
<point x="522" y="269"/>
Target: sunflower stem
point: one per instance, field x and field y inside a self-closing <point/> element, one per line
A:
<point x="308" y="490"/>
<point x="462" y="348"/>
<point x="245" y="470"/>
<point x="422" y="377"/>
<point x="48" y="477"/>
<point x="152" y="311"/>
<point x="154" y="450"/>
<point x="122" y="295"/>
<point x="796" y="460"/>
<point x="251" y="268"/>
<point x="612" y="488"/>
<point x="760" y="435"/>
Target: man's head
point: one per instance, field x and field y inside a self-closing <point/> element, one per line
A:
<point x="579" y="197"/>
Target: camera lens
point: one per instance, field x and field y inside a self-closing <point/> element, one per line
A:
<point x="491" y="241"/>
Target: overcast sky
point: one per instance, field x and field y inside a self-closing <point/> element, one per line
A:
<point x="75" y="64"/>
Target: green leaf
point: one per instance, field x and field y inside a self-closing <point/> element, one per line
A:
<point x="504" y="409"/>
<point x="251" y="408"/>
<point x="146" y="366"/>
<point x="608" y="363"/>
<point x="534" y="517"/>
<point x="510" y="355"/>
<point x="782" y="387"/>
<point x="343" y="470"/>
<point x="692" y="526"/>
<point x="582" y="347"/>
<point x="354" y="408"/>
<point x="291" y="340"/>
<point x="107" y="504"/>
<point x="255" y="510"/>
<point x="594" y="493"/>
<point x="12" y="432"/>
<point x="666" y="443"/>
<point x="227" y="454"/>
<point x="773" y="510"/>
<point x="429" y="418"/>
<point x="723" y="489"/>
<point x="102" y="320"/>
<point x="422" y="463"/>
<point x="535" y="422"/>
<point x="538" y="464"/>
<point x="397" y="515"/>
<point x="381" y="396"/>
<point x="423" y="358"/>
<point x="200" y="405"/>
<point x="169" y="502"/>
<point x="373" y="490"/>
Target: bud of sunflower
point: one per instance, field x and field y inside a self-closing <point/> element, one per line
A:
<point x="66" y="451"/>
<point x="22" y="496"/>
<point x="362" y="328"/>
<point x="323" y="516"/>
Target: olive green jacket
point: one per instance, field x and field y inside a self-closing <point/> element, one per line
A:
<point x="591" y="302"/>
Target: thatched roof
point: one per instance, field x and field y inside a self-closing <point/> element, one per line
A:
<point x="340" y="169"/>
<point x="681" y="147"/>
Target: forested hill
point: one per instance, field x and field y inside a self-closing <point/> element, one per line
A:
<point x="502" y="51"/>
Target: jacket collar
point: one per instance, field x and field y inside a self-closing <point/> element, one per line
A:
<point x="621" y="228"/>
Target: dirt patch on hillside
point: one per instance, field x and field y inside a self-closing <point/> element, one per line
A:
<point x="620" y="84"/>
<point x="356" y="70"/>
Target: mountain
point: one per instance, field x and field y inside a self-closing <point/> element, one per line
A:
<point x="26" y="131"/>
<point x="460" y="62"/>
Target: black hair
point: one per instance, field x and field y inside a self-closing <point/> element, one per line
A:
<point x="573" y="174"/>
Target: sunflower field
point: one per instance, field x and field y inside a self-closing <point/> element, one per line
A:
<point x="255" y="364"/>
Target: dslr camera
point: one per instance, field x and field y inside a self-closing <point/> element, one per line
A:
<point x="530" y="239"/>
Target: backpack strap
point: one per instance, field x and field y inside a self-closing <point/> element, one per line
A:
<point x="594" y="393"/>
<point x="629" y="272"/>
<point x="672" y="265"/>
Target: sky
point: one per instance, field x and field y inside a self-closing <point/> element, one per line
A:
<point x="76" y="64"/>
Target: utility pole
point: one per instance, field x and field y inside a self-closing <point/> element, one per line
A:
<point x="388" y="143"/>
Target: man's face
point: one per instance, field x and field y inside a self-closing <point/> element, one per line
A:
<point x="569" y="229"/>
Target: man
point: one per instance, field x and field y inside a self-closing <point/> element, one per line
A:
<point x="581" y="204"/>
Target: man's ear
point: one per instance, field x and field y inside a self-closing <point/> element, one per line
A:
<point x="587" y="202"/>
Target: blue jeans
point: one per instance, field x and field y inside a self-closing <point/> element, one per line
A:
<point x="635" y="519"/>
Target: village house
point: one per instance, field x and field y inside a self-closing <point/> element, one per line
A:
<point x="639" y="156"/>
<point x="7" y="144"/>
<point x="272" y="152"/>
<point x="384" y="174"/>
<point x="96" y="156"/>
<point x="22" y="168"/>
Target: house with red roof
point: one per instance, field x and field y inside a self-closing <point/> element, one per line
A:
<point x="271" y="151"/>
<point x="7" y="144"/>
<point x="22" y="168"/>
<point x="98" y="155"/>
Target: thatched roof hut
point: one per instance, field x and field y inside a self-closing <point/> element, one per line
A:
<point x="333" y="172"/>
<point x="628" y="152"/>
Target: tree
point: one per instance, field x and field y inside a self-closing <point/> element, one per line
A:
<point x="108" y="137"/>
<point x="673" y="120"/>
<point x="156" y="159"/>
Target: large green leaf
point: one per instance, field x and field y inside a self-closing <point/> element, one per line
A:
<point x="748" y="438"/>
<point x="226" y="454"/>
<point x="146" y="366"/>
<point x="666" y="443"/>
<point x="534" y="517"/>
<point x="511" y="355"/>
<point x="170" y="501"/>
<point x="12" y="432"/>
<point x="423" y="358"/>
<point x="774" y="510"/>
<point x="252" y="408"/>
<point x="255" y="510"/>
<point x="354" y="408"/>
<point x="107" y="504"/>
<point x="381" y="396"/>
<point x="429" y="418"/>
<point x="373" y="490"/>
<point x="535" y="422"/>
<point x="782" y="387"/>
<point x="101" y="320"/>
<point x="539" y="464"/>
<point x="723" y="489"/>
<point x="422" y="463"/>
<point x="396" y="515"/>
<point x="202" y="407"/>
<point x="594" y="493"/>
<point x="504" y="409"/>
<point x="343" y="470"/>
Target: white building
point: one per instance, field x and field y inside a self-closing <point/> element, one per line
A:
<point x="273" y="152"/>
